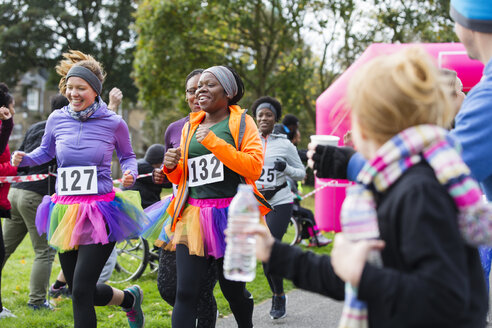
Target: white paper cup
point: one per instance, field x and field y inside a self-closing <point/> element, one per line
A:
<point x="325" y="140"/>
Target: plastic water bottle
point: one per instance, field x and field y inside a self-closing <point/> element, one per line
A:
<point x="240" y="252"/>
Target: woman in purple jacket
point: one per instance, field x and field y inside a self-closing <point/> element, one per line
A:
<point x="86" y="216"/>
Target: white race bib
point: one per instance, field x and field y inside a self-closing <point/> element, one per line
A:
<point x="204" y="170"/>
<point x="77" y="180"/>
<point x="268" y="178"/>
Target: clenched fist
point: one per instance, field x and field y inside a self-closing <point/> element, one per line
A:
<point x="127" y="180"/>
<point x="171" y="158"/>
<point x="201" y="133"/>
<point x="5" y="113"/>
<point x="158" y="176"/>
<point x="17" y="157"/>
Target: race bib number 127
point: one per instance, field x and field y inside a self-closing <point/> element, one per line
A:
<point x="77" y="180"/>
<point x="204" y="170"/>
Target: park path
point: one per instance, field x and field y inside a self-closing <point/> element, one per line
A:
<point x="304" y="310"/>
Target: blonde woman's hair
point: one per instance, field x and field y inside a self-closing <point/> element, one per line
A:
<point x="394" y="92"/>
<point x="75" y="57"/>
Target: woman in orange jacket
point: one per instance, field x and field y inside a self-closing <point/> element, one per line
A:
<point x="220" y="148"/>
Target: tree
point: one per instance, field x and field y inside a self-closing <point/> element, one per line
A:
<point x="264" y="40"/>
<point x="34" y="33"/>
<point x="415" y="21"/>
<point x="260" y="39"/>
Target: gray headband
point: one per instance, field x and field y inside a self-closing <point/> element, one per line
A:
<point x="226" y="79"/>
<point x="269" y="106"/>
<point x="87" y="75"/>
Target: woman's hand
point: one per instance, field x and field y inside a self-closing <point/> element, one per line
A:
<point x="201" y="133"/>
<point x="158" y="176"/>
<point x="5" y="113"/>
<point x="115" y="97"/>
<point x="17" y="157"/>
<point x="347" y="139"/>
<point x="127" y="180"/>
<point x="171" y="158"/>
<point x="279" y="165"/>
<point x="348" y="258"/>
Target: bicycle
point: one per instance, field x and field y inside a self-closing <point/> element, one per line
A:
<point x="134" y="255"/>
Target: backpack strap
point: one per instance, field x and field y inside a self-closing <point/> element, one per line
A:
<point x="242" y="129"/>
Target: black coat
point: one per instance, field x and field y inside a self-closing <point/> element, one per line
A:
<point x="149" y="191"/>
<point x="430" y="277"/>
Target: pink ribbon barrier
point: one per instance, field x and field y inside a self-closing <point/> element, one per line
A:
<point x="38" y="177"/>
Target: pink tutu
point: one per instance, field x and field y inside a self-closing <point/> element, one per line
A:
<point x="70" y="221"/>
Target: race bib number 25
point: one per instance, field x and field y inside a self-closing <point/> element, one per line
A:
<point x="268" y="178"/>
<point x="77" y="180"/>
<point x="204" y="170"/>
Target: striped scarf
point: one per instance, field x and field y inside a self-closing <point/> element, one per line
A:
<point x="84" y="115"/>
<point x="409" y="147"/>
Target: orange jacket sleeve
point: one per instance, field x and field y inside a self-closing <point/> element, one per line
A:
<point x="247" y="162"/>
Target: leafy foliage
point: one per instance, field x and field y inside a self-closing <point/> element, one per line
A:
<point x="34" y="33"/>
<point x="415" y="20"/>
<point x="264" y="40"/>
<point x="260" y="39"/>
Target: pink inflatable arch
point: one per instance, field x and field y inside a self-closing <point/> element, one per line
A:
<point x="332" y="115"/>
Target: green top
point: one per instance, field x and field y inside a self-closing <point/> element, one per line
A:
<point x="223" y="189"/>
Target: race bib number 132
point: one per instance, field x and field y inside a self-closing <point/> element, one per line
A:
<point x="77" y="180"/>
<point x="204" y="170"/>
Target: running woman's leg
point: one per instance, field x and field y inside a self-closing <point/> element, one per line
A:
<point x="190" y="270"/>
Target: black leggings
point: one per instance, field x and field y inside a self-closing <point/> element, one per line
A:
<point x="82" y="269"/>
<point x="278" y="221"/>
<point x="166" y="284"/>
<point x="2" y="258"/>
<point x="5" y="214"/>
<point x="191" y="271"/>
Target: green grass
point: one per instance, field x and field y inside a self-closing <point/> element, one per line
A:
<point x="15" y="290"/>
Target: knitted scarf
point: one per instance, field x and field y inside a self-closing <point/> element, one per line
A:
<point x="409" y="147"/>
<point x="83" y="115"/>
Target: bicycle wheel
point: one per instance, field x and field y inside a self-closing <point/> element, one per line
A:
<point x="154" y="259"/>
<point x="293" y="234"/>
<point x="133" y="256"/>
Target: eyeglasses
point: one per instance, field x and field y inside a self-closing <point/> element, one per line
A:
<point x="191" y="92"/>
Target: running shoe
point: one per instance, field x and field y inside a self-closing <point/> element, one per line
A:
<point x="279" y="304"/>
<point x="63" y="291"/>
<point x="322" y="241"/>
<point x="7" y="314"/>
<point x="43" y="306"/>
<point x="136" y="318"/>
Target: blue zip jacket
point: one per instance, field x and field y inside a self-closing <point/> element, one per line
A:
<point x="76" y="143"/>
<point x="473" y="129"/>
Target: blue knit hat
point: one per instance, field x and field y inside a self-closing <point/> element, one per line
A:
<point x="475" y="15"/>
